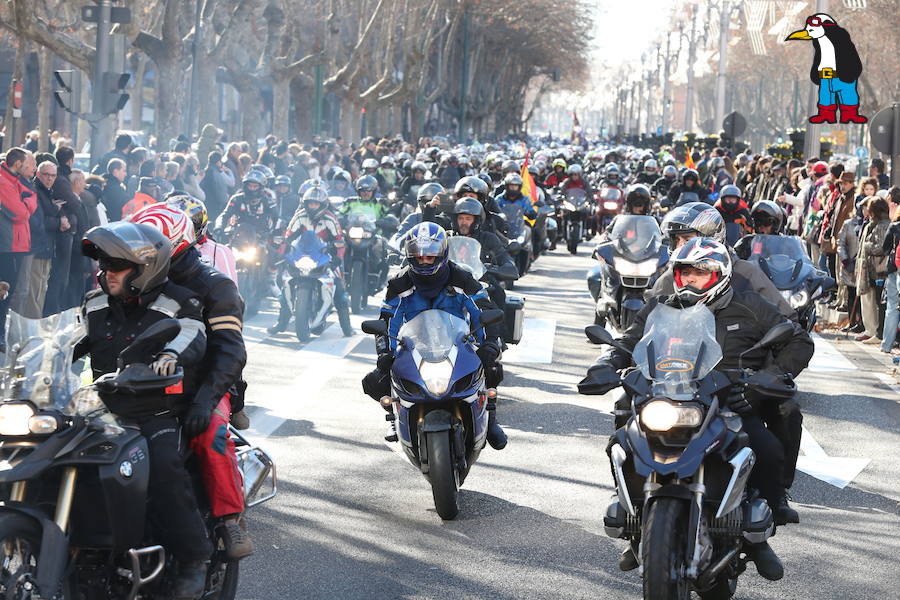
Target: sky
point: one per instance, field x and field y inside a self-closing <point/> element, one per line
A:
<point x="625" y="28"/>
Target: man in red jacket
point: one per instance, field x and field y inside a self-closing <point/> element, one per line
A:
<point x="17" y="203"/>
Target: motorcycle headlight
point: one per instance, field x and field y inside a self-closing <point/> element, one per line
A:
<point x="610" y="205"/>
<point x="305" y="264"/>
<point x="660" y="415"/>
<point x="799" y="299"/>
<point x="627" y="268"/>
<point x="245" y="254"/>
<point x="436" y="376"/>
<point x="568" y="206"/>
<point x="42" y="424"/>
<point x="358" y="233"/>
<point x="15" y="418"/>
<point x="521" y="239"/>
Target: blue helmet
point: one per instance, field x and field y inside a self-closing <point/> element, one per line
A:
<point x="426" y="239"/>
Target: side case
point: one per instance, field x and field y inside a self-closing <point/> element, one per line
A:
<point x="515" y="318"/>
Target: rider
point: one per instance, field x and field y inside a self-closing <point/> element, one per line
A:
<point x="286" y="200"/>
<point x="663" y="184"/>
<point x="767" y="218"/>
<point x="703" y="274"/>
<point x="558" y="175"/>
<point x="205" y="423"/>
<point x="252" y="205"/>
<point x="428" y="201"/>
<point x="475" y="187"/>
<point x="612" y="177"/>
<point x="365" y="203"/>
<point x="218" y="256"/>
<point x="432" y="281"/>
<point x="409" y="187"/>
<point x="512" y="195"/>
<point x="341" y="184"/>
<point x="637" y="202"/>
<point x="690" y="182"/>
<point x="732" y="207"/>
<point x="134" y="294"/>
<point x="315" y="215"/>
<point x="650" y="173"/>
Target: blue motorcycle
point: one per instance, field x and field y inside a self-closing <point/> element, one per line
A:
<point x="439" y="396"/>
<point x="308" y="284"/>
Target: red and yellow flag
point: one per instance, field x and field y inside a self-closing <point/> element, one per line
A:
<point x="689" y="161"/>
<point x="528" y="186"/>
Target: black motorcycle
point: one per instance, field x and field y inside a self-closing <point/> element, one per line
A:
<point x="73" y="521"/>
<point x="365" y="260"/>
<point x="784" y="260"/>
<point x="681" y="463"/>
<point x="576" y="213"/>
<point x="519" y="235"/>
<point x="630" y="262"/>
<point x="251" y="257"/>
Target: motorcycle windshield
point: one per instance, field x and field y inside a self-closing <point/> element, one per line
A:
<point x="637" y="237"/>
<point x="363" y="215"/>
<point x="466" y="252"/>
<point x="39" y="358"/>
<point x="309" y="244"/>
<point x="764" y="246"/>
<point x="576" y="196"/>
<point x="688" y="197"/>
<point x="679" y="348"/>
<point x="433" y="334"/>
<point x="515" y="217"/>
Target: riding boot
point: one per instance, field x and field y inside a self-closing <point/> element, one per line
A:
<point x="496" y="437"/>
<point x="191" y="580"/>
<point x="768" y="565"/>
<point x="627" y="560"/>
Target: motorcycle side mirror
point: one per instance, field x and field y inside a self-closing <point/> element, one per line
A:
<point x="375" y="327"/>
<point x="779" y="334"/>
<point x="150" y="341"/>
<point x="828" y="283"/>
<point x="599" y="335"/>
<point x="492" y="316"/>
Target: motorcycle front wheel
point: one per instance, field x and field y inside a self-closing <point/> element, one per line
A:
<point x="302" y="313"/>
<point x="442" y="474"/>
<point x="20" y="538"/>
<point x="663" y="545"/>
<point x="358" y="286"/>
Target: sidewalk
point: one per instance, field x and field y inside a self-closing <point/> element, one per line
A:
<point x="828" y="326"/>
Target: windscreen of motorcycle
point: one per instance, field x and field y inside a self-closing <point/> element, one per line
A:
<point x="466" y="253"/>
<point x="576" y="196"/>
<point x="433" y="334"/>
<point x="783" y="259"/>
<point x="361" y="223"/>
<point x="515" y="217"/>
<point x="636" y="237"/>
<point x="678" y="349"/>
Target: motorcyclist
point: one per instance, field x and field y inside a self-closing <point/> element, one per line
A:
<point x="341" y="184"/>
<point x="387" y="175"/>
<point x="612" y="176"/>
<point x="703" y="273"/>
<point x="315" y="215"/>
<point x="733" y="209"/>
<point x="365" y="203"/>
<point x="428" y="201"/>
<point x="512" y="195"/>
<point x="409" y="187"/>
<point x="251" y="206"/>
<point x="558" y="175"/>
<point x="287" y="201"/>
<point x="475" y="187"/>
<point x="649" y="174"/>
<point x="690" y="182"/>
<point x="575" y="179"/>
<point x="663" y="184"/>
<point x="134" y="294"/>
<point x="637" y="202"/>
<point x="218" y="393"/>
<point x="432" y="281"/>
<point x="767" y="219"/>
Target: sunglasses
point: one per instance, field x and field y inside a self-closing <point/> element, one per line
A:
<point x="115" y="265"/>
<point x="817" y="22"/>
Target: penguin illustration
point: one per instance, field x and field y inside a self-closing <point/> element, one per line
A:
<point x="836" y="67"/>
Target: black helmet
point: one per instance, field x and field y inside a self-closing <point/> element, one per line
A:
<point x="694" y="217"/>
<point x="366" y="183"/>
<point x="315" y="194"/>
<point x="427" y="193"/>
<point x="637" y="194"/>
<point x="254" y="176"/>
<point x="488" y="181"/>
<point x="513" y="179"/>
<point x="473" y="185"/>
<point x="144" y="246"/>
<point x="766" y="212"/>
<point x="282" y="180"/>
<point x="690" y="174"/>
<point x="730" y="190"/>
<point x="468" y="206"/>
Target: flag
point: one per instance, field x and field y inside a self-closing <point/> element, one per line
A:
<point x="689" y="161"/>
<point x="528" y="186"/>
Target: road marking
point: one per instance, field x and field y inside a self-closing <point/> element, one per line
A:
<point x="536" y="345"/>
<point x="814" y="461"/>
<point x="828" y="358"/>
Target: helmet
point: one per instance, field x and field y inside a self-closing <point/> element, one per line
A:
<point x="708" y="255"/>
<point x="315" y="194"/>
<point x="766" y="212"/>
<point x="651" y="165"/>
<point x="282" y="180"/>
<point x="468" y="206"/>
<point x="387" y="161"/>
<point x="342" y="175"/>
<point x="730" y="190"/>
<point x="418" y="165"/>
<point x="612" y="169"/>
<point x="670" y="171"/>
<point x="690" y="174"/>
<point x="471" y="184"/>
<point x="716" y="163"/>
<point x="428" y="191"/>
<point x="510" y="166"/>
<point x="265" y="171"/>
<point x="195" y="210"/>
<point x="488" y="181"/>
<point x="254" y="176"/>
<point x="142" y="245"/>
<point x="426" y="239"/>
<point x="404" y="156"/>
<point x="172" y="222"/>
<point x="637" y="194"/>
<point x="574" y="170"/>
<point x="366" y="183"/>
<point x="513" y="179"/>
<point x="694" y="217"/>
<point x="369" y="163"/>
<point x="559" y="162"/>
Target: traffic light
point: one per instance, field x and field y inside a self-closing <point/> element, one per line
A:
<point x="64" y="96"/>
<point x="114" y="96"/>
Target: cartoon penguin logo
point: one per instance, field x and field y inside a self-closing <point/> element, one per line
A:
<point x="835" y="69"/>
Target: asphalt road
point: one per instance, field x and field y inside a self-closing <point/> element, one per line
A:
<point x="353" y="519"/>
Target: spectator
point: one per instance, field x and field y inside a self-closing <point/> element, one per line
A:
<point x="18" y="204"/>
<point x="114" y="195"/>
<point x="207" y="142"/>
<point x="190" y="178"/>
<point x="32" y="274"/>
<point x="245" y="161"/>
<point x="847" y="251"/>
<point x="216" y="182"/>
<point x="136" y="159"/>
<point x="871" y="267"/>
<point x="58" y="230"/>
<point x="891" y="288"/>
<point x="233" y="163"/>
<point x="280" y="154"/>
<point x="92" y="197"/>
<point x="78" y="219"/>
<point x="147" y="194"/>
<point x="876" y="170"/>
<point x="31" y="140"/>
<point x="124" y="144"/>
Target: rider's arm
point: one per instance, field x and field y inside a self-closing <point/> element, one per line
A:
<point x="501" y="261"/>
<point x="631" y="337"/>
<point x="226" y="354"/>
<point x="793" y="356"/>
<point x="190" y="343"/>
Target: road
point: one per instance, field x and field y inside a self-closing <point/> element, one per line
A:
<point x="353" y="519"/>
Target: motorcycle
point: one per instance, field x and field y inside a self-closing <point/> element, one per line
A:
<point x="681" y="464"/>
<point x="629" y="264"/>
<point x="519" y="238"/>
<point x="309" y="284"/>
<point x="73" y="521"/>
<point x="609" y="201"/>
<point x="439" y="398"/>
<point x="784" y="260"/>
<point x="251" y="256"/>
<point x="576" y="210"/>
<point x="364" y="260"/>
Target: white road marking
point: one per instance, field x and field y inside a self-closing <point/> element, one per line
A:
<point x="536" y="345"/>
<point x="814" y="461"/>
<point x="828" y="358"/>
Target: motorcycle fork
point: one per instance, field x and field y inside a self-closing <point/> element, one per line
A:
<point x="65" y="497"/>
<point x="17" y="493"/>
<point x="695" y="524"/>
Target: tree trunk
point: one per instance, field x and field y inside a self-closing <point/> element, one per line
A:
<point x="44" y="98"/>
<point x="13" y="126"/>
<point x="137" y="96"/>
<point x="251" y="112"/>
<point x="303" y="109"/>
<point x="169" y="105"/>
<point x="208" y="106"/>
<point x="281" y="106"/>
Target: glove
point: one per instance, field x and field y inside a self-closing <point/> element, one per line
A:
<point x="385" y="362"/>
<point x="165" y="364"/>
<point x="196" y="421"/>
<point x="601" y="377"/>
<point x="488" y="354"/>
<point x="738" y="402"/>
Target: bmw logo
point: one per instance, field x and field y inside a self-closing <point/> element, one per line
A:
<point x="126" y="469"/>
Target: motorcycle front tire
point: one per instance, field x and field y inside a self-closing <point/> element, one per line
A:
<point x="302" y="312"/>
<point x="664" y="546"/>
<point x="15" y="526"/>
<point x="442" y="475"/>
<point x="358" y="285"/>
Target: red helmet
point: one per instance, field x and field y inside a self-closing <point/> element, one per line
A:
<point x="173" y="223"/>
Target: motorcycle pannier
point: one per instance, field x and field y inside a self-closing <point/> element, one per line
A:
<point x="515" y="318"/>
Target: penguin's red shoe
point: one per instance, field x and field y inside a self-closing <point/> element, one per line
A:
<point x="827" y="114"/>
<point x="849" y="114"/>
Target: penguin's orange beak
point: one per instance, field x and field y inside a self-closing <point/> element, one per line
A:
<point x="799" y="35"/>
